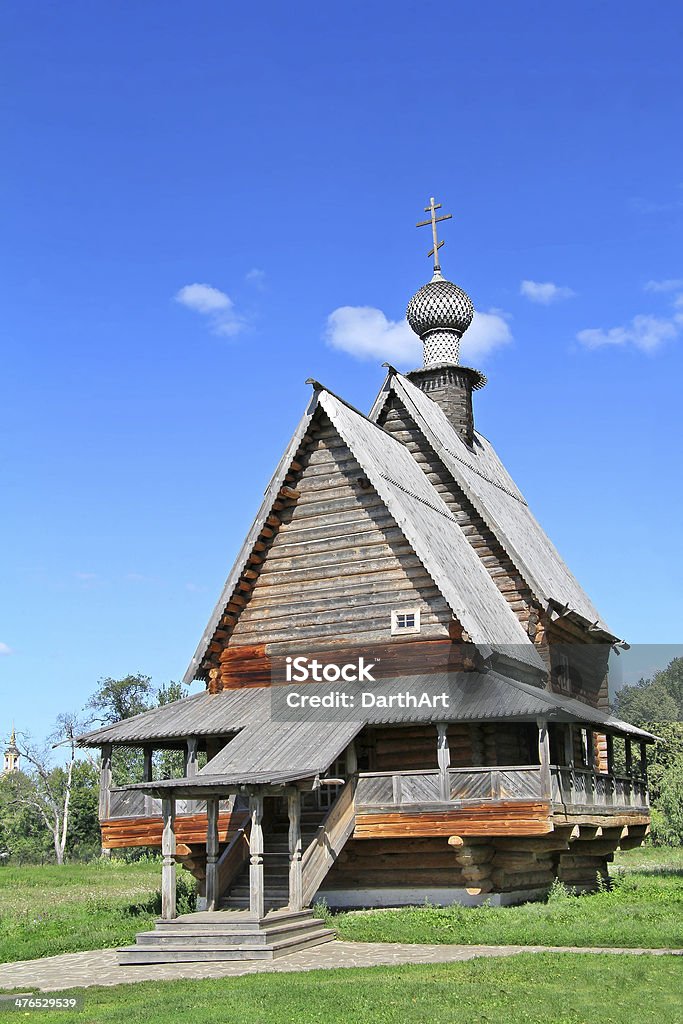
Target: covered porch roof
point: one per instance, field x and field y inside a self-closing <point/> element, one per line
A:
<point x="473" y="696"/>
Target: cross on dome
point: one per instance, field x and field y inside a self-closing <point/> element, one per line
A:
<point x="434" y="220"/>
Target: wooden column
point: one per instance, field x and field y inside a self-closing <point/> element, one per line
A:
<point x="643" y="761"/>
<point x="168" y="848"/>
<point x="609" y="743"/>
<point x="590" y="757"/>
<point x="569" y="757"/>
<point x="105" y="782"/>
<point x="212" y="894"/>
<point x="444" y="760"/>
<point x="147" y="764"/>
<point x="351" y="760"/>
<point x="256" y="895"/>
<point x="295" y="851"/>
<point x="544" y="758"/>
<point x="191" y="757"/>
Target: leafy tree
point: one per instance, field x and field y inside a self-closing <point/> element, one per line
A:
<point x="657" y="705"/>
<point x="116" y="699"/>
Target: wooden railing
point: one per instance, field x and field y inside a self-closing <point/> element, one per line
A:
<point x="577" y="787"/>
<point x="135" y="803"/>
<point x="581" y="787"/>
<point x="336" y="827"/>
<point x="233" y="857"/>
<point x="461" y="786"/>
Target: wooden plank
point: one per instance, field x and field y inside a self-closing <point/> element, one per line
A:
<point x="503" y="819"/>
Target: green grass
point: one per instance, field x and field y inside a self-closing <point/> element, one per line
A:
<point x="644" y="908"/>
<point x="47" y="909"/>
<point x="527" y="989"/>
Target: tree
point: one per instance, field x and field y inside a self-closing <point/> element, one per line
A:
<point x="50" y="794"/>
<point x="116" y="699"/>
<point x="657" y="705"/>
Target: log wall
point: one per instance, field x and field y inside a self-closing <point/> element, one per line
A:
<point x="333" y="564"/>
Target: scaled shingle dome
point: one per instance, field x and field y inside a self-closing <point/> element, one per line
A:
<point x="440" y="305"/>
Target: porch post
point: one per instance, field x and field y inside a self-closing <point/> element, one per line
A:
<point x="590" y="755"/>
<point x="295" y="880"/>
<point x="544" y="758"/>
<point x="256" y="895"/>
<point x="628" y="757"/>
<point x="147" y="766"/>
<point x="168" y="848"/>
<point x="569" y="760"/>
<point x="191" y="757"/>
<point x="643" y="761"/>
<point x="351" y="759"/>
<point x="444" y="759"/>
<point x="609" y="740"/>
<point x="212" y="853"/>
<point x="105" y="782"/>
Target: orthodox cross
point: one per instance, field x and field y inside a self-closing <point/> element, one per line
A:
<point x="433" y="220"/>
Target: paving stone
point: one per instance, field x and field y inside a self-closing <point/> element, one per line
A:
<point x="100" y="967"/>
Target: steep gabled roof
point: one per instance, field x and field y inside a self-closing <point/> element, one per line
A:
<point x="427" y="523"/>
<point x="434" y="535"/>
<point x="489" y="487"/>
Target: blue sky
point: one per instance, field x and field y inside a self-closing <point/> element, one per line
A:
<point x="280" y="155"/>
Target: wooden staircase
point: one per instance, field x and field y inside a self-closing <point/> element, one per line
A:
<point x="232" y="932"/>
<point x="226" y="935"/>
<point x="276" y="864"/>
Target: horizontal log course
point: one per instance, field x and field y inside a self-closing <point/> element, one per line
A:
<point x="523" y="862"/>
<point x="399" y="861"/>
<point x="388" y="878"/>
<point x="520" y="818"/>
<point x="507" y="881"/>
<point x="570" y="861"/>
<point x="594" y="848"/>
<point x="544" y="844"/>
<point x="118" y="833"/>
<point x="468" y="856"/>
<point x="477" y="873"/>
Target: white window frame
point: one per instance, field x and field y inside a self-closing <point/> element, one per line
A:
<point x="397" y="630"/>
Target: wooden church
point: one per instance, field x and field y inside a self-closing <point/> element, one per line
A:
<point x="475" y="758"/>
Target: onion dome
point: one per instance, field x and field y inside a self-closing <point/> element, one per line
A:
<point x="440" y="313"/>
<point x="440" y="305"/>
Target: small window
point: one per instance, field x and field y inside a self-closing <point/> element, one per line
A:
<point x="405" y="620"/>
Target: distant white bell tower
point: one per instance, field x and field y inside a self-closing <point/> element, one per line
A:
<point x="11" y="756"/>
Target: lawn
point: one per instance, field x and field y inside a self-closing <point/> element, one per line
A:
<point x="48" y="909"/>
<point x="527" y="989"/>
<point x="644" y="908"/>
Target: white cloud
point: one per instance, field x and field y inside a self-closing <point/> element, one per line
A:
<point x="647" y="333"/>
<point x="5" y="649"/>
<point x="367" y="333"/>
<point x="256" y="277"/>
<point x="203" y="298"/>
<point x="672" y="284"/>
<point x="545" y="292"/>
<point x="487" y="331"/>
<point x="215" y="305"/>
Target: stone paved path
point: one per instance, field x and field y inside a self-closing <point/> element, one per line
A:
<point x="81" y="970"/>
